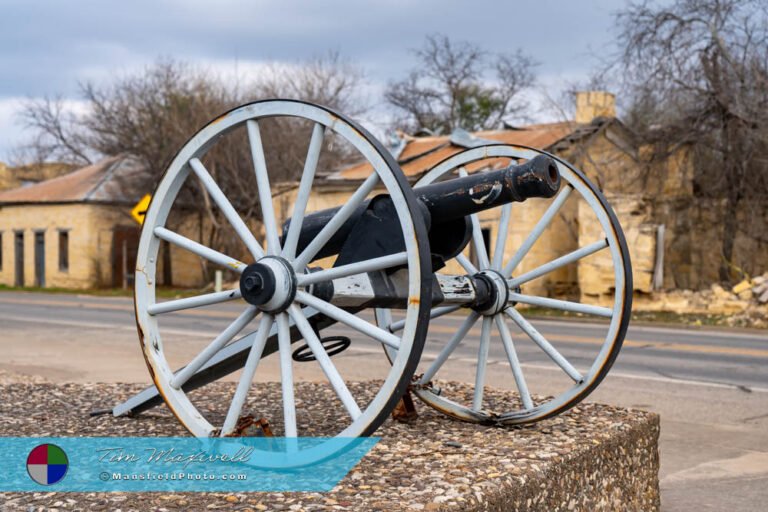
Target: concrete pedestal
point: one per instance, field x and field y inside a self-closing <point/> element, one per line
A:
<point x="595" y="457"/>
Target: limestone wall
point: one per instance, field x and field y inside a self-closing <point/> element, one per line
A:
<point x="90" y="229"/>
<point x="186" y="268"/>
<point x="606" y="161"/>
<point x="750" y="254"/>
<point x="596" y="272"/>
<point x="692" y="244"/>
<point x="592" y="104"/>
<point x="13" y="177"/>
<point x="6" y="178"/>
<point x="559" y="238"/>
<point x="618" y="167"/>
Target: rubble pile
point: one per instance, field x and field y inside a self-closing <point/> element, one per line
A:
<point x="757" y="288"/>
<point x="744" y="305"/>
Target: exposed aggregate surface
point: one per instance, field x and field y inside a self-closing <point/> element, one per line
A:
<point x="594" y="457"/>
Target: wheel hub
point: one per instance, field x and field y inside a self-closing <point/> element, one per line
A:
<point x="497" y="292"/>
<point x="269" y="284"/>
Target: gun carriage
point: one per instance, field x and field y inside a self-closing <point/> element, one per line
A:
<point x="391" y="246"/>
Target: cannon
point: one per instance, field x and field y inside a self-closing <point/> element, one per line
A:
<point x="391" y="258"/>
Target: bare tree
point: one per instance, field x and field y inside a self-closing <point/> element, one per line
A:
<point x="451" y="87"/>
<point x="697" y="75"/>
<point x="56" y="137"/>
<point x="148" y="116"/>
<point x="328" y="80"/>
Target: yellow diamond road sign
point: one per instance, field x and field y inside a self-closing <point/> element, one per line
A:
<point x="140" y="210"/>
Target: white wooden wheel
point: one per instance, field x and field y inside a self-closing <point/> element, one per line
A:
<point x="284" y="317"/>
<point x="529" y="349"/>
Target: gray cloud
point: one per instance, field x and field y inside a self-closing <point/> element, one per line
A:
<point x="47" y="47"/>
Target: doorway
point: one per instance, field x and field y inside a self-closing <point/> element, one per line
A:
<point x="125" y="247"/>
<point x="18" y="243"/>
<point x="40" y="259"/>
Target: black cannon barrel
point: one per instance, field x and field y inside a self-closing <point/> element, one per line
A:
<point x="455" y="198"/>
<point x="452" y="199"/>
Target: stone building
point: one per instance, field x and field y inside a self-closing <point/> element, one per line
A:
<point x="595" y="141"/>
<point x="76" y="231"/>
<point x="673" y="235"/>
<point x="71" y="231"/>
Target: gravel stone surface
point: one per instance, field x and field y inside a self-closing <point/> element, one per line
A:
<point x="594" y="457"/>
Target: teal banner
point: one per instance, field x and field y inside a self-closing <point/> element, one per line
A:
<point x="98" y="464"/>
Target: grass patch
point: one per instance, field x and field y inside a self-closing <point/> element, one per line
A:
<point x="164" y="292"/>
<point x="658" y="317"/>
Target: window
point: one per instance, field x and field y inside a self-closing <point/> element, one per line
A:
<point x="486" y="234"/>
<point x="63" y="251"/>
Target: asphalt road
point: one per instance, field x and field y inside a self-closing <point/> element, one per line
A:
<point x="710" y="386"/>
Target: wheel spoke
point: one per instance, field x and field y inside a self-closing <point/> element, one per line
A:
<point x="199" y="249"/>
<point x="193" y="302"/>
<point x="208" y="352"/>
<point x="337" y="383"/>
<point x="501" y="237"/>
<point x="557" y="263"/>
<point x="514" y="362"/>
<point x="286" y="374"/>
<point x="227" y="209"/>
<point x="349" y="319"/>
<point x="469" y="268"/>
<point x="339" y="218"/>
<point x="449" y="348"/>
<point x="435" y="313"/>
<point x="538" y="229"/>
<point x="545" y="345"/>
<point x="477" y="241"/>
<point x="564" y="305"/>
<point x="265" y="191"/>
<point x="246" y="378"/>
<point x="383" y="317"/>
<point x="482" y="363"/>
<point x="302" y="196"/>
<point x="371" y="265"/>
<point x="477" y="235"/>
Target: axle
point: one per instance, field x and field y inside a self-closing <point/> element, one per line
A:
<point x="446" y="202"/>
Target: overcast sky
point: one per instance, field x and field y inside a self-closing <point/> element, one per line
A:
<point x="48" y="47"/>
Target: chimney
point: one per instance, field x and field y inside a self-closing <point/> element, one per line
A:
<point x="592" y="104"/>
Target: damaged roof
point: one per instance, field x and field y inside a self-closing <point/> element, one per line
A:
<point x="113" y="180"/>
<point x="420" y="154"/>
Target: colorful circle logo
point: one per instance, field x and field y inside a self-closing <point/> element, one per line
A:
<point x="47" y="464"/>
